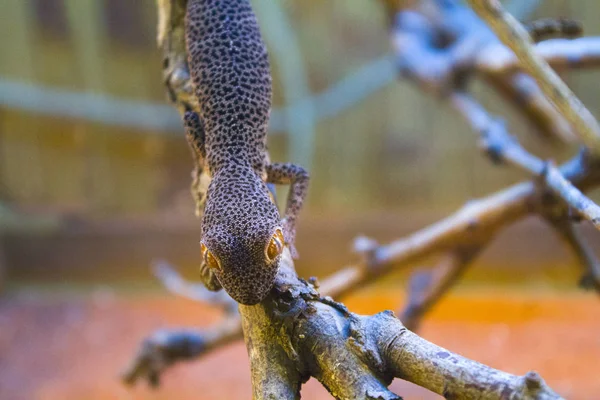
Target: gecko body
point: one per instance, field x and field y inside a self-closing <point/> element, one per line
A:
<point x="243" y="233"/>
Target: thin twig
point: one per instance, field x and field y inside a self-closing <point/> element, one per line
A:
<point x="559" y="53"/>
<point x="164" y="348"/>
<point x="193" y="291"/>
<point x="521" y="92"/>
<point x="542" y="29"/>
<point x="495" y="139"/>
<point x="584" y="253"/>
<point x="571" y="195"/>
<point x="427" y="287"/>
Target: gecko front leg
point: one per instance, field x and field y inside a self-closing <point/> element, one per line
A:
<point x="297" y="178"/>
<point x="194" y="133"/>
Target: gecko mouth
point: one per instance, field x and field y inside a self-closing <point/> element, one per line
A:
<point x="251" y="286"/>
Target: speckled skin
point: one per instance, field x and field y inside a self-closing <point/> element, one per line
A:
<point x="232" y="80"/>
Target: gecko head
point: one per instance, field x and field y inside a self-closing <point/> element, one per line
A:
<point x="242" y="238"/>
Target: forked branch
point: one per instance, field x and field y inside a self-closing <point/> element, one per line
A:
<point x="297" y="333"/>
<point x="516" y="37"/>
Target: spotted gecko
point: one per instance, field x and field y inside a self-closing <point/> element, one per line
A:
<point x="243" y="234"/>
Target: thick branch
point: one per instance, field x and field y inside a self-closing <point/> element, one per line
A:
<point x="171" y="40"/>
<point x="273" y="364"/>
<point x="452" y="376"/>
<point x="356" y="357"/>
<point x="514" y="35"/>
<point x="296" y="334"/>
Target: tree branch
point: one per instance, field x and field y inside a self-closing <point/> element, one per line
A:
<point x="499" y="145"/>
<point x="514" y="35"/>
<point x="585" y="255"/>
<point x="571" y="195"/>
<point x="454" y="377"/>
<point x="545" y="28"/>
<point x="558" y="53"/>
<point x="521" y="91"/>
<point x="477" y="222"/>
<point x="175" y="284"/>
<point x="474" y="49"/>
<point x="356" y="357"/>
<point x="164" y="348"/>
<point x="426" y="288"/>
<point x="502" y="147"/>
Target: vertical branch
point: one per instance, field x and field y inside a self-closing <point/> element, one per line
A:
<point x="171" y="41"/>
<point x="274" y="375"/>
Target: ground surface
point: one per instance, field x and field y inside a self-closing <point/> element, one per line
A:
<point x="73" y="346"/>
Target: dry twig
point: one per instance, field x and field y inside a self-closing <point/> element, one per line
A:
<point x="426" y="288"/>
<point x="175" y="284"/>
<point x="585" y="255"/>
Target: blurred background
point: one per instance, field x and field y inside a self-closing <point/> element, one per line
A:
<point x="94" y="185"/>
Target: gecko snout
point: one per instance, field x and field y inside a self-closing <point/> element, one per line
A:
<point x="247" y="273"/>
<point x="252" y="286"/>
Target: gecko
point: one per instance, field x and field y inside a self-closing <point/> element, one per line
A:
<point x="243" y="234"/>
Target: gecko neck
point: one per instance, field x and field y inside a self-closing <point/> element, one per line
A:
<point x="237" y="164"/>
<point x="236" y="146"/>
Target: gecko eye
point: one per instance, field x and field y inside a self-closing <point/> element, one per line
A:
<point x="275" y="246"/>
<point x="209" y="258"/>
